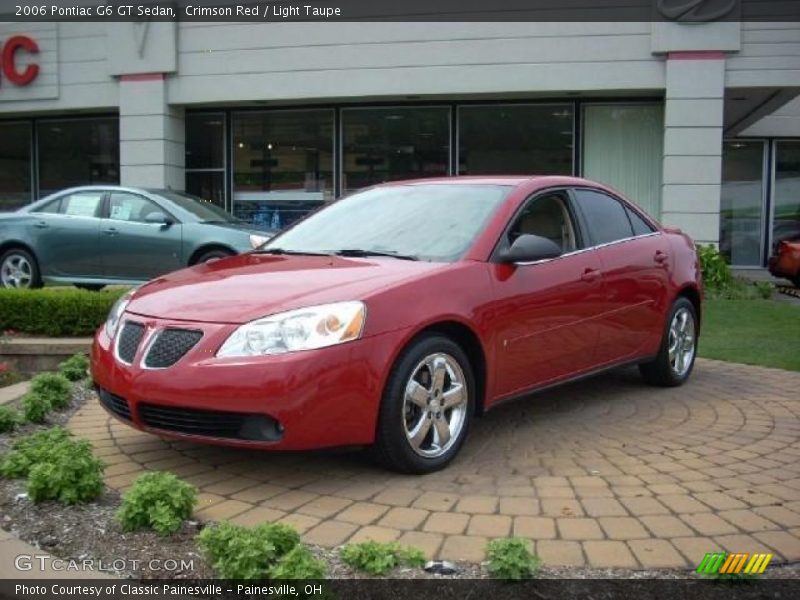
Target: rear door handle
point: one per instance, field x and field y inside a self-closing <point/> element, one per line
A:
<point x="591" y="275"/>
<point x="111" y="231"/>
<point x="660" y="257"/>
<point x="41" y="225"/>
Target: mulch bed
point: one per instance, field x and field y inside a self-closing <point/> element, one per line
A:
<point x="90" y="531"/>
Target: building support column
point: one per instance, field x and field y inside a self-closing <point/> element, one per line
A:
<point x="693" y="126"/>
<point x="152" y="134"/>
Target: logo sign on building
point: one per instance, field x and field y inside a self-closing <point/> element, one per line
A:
<point x="28" y="61"/>
<point x="9" y="69"/>
<point x="734" y="563"/>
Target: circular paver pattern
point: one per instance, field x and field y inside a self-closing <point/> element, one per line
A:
<point x="606" y="473"/>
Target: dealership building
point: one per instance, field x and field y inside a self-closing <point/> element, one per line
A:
<point x="698" y="123"/>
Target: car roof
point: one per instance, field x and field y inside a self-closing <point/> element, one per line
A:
<point x="512" y="180"/>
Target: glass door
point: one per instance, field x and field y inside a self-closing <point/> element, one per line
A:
<point x="742" y="203"/>
<point x="786" y="196"/>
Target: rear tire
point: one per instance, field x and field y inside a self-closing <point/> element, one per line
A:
<point x="426" y="408"/>
<point x="215" y="254"/>
<point x="675" y="360"/>
<point x="19" y="270"/>
<point x="796" y="280"/>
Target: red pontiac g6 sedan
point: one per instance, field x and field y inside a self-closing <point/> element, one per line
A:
<point x="394" y="316"/>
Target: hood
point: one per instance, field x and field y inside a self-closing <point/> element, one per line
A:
<point x="245" y="287"/>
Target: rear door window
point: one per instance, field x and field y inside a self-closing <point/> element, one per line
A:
<point x="605" y="216"/>
<point x="81" y="204"/>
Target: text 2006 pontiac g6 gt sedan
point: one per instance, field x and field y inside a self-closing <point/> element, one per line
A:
<point x="394" y="316"/>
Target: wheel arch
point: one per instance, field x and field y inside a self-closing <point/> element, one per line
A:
<point x="203" y="248"/>
<point x="468" y="339"/>
<point x="692" y="294"/>
<point x="11" y="244"/>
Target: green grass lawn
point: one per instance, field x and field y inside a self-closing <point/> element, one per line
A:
<point x="755" y="332"/>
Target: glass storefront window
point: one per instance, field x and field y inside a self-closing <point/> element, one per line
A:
<point x="742" y="203"/>
<point x="77" y="152"/>
<point x="786" y="205"/>
<point x="15" y="165"/>
<point x="515" y="139"/>
<point x="205" y="141"/>
<point x="282" y="165"/>
<point x="208" y="185"/>
<point x="623" y="148"/>
<point x="389" y="144"/>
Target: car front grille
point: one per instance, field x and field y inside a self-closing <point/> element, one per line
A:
<point x="211" y="423"/>
<point x="169" y="346"/>
<point x="129" y="339"/>
<point x="115" y="404"/>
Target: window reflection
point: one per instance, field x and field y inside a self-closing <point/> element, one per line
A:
<point x="15" y="165"/>
<point x="515" y="139"/>
<point x="389" y="144"/>
<point x="77" y="152"/>
<point x="786" y="221"/>
<point x="741" y="203"/>
<point x="282" y="165"/>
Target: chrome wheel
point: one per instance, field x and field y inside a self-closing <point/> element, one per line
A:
<point x="434" y="405"/>
<point x="16" y="271"/>
<point x="682" y="341"/>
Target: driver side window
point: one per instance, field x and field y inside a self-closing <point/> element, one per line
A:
<point x="548" y="217"/>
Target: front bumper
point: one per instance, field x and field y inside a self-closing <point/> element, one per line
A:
<point x="294" y="401"/>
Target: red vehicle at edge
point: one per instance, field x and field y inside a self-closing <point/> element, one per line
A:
<point x="394" y="316"/>
<point x="785" y="261"/>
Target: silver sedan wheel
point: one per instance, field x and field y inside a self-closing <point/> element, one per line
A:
<point x="16" y="272"/>
<point x="435" y="405"/>
<point x="682" y="341"/>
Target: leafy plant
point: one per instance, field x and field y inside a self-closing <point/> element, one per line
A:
<point x="35" y="407"/>
<point x="158" y="500"/>
<point x="55" y="312"/>
<point x="75" y="476"/>
<point x="764" y="289"/>
<point x="511" y="558"/>
<point x="9" y="374"/>
<point x="75" y="367"/>
<point x="716" y="272"/>
<point x="237" y="552"/>
<point x="9" y="419"/>
<point x="298" y="563"/>
<point x="57" y="466"/>
<point x="379" y="558"/>
<point x="53" y="386"/>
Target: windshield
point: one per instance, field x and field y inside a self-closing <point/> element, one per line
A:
<point x="202" y="209"/>
<point x="435" y="222"/>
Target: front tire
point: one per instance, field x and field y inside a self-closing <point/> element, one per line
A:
<point x="210" y="255"/>
<point x="427" y="406"/>
<point x="91" y="287"/>
<point x="19" y="269"/>
<point x="678" y="350"/>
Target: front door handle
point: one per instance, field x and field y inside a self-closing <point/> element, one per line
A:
<point x="111" y="231"/>
<point x="591" y="275"/>
<point x="660" y="257"/>
<point x="41" y="225"/>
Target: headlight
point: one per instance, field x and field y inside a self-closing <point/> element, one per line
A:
<point x="258" y="240"/>
<point x="115" y="314"/>
<point x="302" y="329"/>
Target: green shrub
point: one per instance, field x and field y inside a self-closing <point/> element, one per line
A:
<point x="75" y="367"/>
<point x="716" y="272"/>
<point x="35" y="407"/>
<point x="55" y="311"/>
<point x="157" y="500"/>
<point x="237" y="552"/>
<point x="379" y="558"/>
<point x="511" y="558"/>
<point x="29" y="450"/>
<point x="9" y="419"/>
<point x="298" y="563"/>
<point x="53" y="386"/>
<point x="57" y="466"/>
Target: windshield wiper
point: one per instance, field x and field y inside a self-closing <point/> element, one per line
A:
<point x="283" y="251"/>
<point x="358" y="252"/>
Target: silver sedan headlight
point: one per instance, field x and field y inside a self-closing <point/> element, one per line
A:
<point x="258" y="240"/>
<point x="302" y="329"/>
<point x="115" y="314"/>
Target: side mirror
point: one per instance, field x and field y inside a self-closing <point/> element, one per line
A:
<point x="529" y="248"/>
<point x="158" y="217"/>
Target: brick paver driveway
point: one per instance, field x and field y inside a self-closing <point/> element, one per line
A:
<point x="605" y="473"/>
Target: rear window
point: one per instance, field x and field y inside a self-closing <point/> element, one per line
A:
<point x="605" y="217"/>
